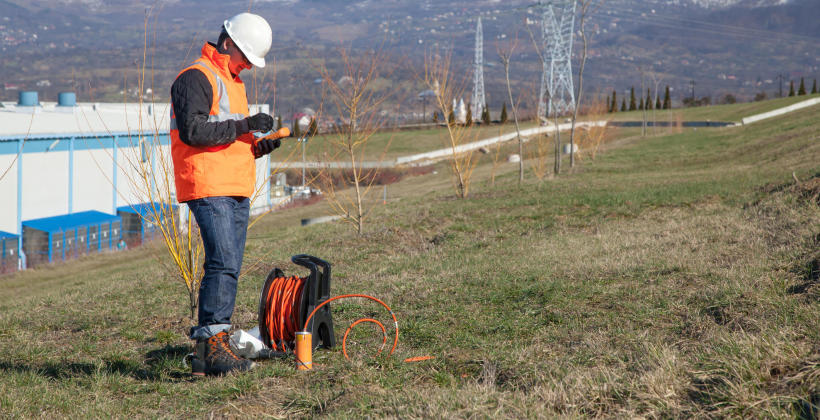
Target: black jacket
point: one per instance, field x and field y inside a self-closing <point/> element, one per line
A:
<point x="191" y="97"/>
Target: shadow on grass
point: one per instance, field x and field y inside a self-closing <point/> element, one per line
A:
<point x="161" y="365"/>
<point x="810" y="273"/>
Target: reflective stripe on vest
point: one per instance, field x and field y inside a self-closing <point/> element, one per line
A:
<point x="224" y="101"/>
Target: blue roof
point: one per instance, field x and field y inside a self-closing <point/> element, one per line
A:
<point x="7" y="235"/>
<point x="144" y="209"/>
<point x="71" y="221"/>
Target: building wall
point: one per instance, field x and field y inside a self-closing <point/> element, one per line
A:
<point x="46" y="166"/>
<point x="8" y="193"/>
<point x="45" y="185"/>
<point x="93" y="177"/>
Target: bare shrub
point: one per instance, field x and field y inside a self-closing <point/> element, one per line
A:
<point x="358" y="101"/>
<point x="440" y="80"/>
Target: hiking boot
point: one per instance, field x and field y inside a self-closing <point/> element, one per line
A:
<point x="213" y="356"/>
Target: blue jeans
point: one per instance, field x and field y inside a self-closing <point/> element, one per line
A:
<point x="223" y="224"/>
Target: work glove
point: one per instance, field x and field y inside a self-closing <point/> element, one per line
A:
<point x="265" y="146"/>
<point x="260" y="122"/>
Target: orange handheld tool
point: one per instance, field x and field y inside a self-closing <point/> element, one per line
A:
<point x="278" y="134"/>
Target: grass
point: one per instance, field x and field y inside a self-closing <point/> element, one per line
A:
<point x="390" y="145"/>
<point x="398" y="143"/>
<point x="674" y="276"/>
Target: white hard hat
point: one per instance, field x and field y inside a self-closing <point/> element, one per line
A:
<point x="252" y="34"/>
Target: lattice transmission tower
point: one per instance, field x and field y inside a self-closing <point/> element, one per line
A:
<point x="557" y="95"/>
<point x="479" y="100"/>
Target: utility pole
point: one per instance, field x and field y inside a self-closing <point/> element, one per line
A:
<point x="643" y="124"/>
<point x="693" y="92"/>
<point x="304" y="162"/>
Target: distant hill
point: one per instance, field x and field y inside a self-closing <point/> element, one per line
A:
<point x="725" y="46"/>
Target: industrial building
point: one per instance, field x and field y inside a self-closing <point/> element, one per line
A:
<point x="73" y="175"/>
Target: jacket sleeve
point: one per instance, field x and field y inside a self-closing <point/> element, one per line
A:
<point x="191" y="97"/>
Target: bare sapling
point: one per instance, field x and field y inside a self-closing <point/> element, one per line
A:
<point x="597" y="132"/>
<point x="543" y="110"/>
<point x="496" y="160"/>
<point x="149" y="170"/>
<point x="439" y="79"/>
<point x="585" y="13"/>
<point x="358" y="102"/>
<point x="541" y="156"/>
<point x="505" y="54"/>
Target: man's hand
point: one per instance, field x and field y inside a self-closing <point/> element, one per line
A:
<point x="265" y="146"/>
<point x="260" y="122"/>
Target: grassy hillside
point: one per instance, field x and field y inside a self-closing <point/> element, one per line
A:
<point x="390" y="145"/>
<point x="674" y="276"/>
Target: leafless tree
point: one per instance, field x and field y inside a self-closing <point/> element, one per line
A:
<point x="588" y="7"/>
<point x="504" y="55"/>
<point x="656" y="80"/>
<point x="439" y="79"/>
<point x="359" y="103"/>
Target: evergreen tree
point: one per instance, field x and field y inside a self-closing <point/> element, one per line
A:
<point x="297" y="131"/>
<point x="614" y="106"/>
<point x="658" y="102"/>
<point x="469" y="120"/>
<point x="814" y="87"/>
<point x="791" y="88"/>
<point x="667" y="100"/>
<point x="802" y="90"/>
<point x="278" y="122"/>
<point x="451" y="117"/>
<point x="313" y="128"/>
<point x="435" y="117"/>
<point x="485" y="115"/>
<point x="504" y="113"/>
<point x="648" y="99"/>
<point x="633" y="105"/>
<point x="640" y="105"/>
<point x="623" y="105"/>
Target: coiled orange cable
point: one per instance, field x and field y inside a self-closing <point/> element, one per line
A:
<point x="281" y="314"/>
<point x="282" y="311"/>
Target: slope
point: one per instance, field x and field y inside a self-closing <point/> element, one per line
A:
<point x="671" y="277"/>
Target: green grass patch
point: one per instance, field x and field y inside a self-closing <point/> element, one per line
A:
<point x="672" y="276"/>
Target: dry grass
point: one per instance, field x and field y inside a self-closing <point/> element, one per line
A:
<point x="662" y="280"/>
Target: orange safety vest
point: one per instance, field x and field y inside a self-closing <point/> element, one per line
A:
<point x="226" y="170"/>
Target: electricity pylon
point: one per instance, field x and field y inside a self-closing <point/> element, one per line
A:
<point x="557" y="94"/>
<point x="478" y="100"/>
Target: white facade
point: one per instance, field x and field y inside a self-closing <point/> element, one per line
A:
<point x="89" y="157"/>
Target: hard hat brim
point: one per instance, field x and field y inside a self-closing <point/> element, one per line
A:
<point x="256" y="61"/>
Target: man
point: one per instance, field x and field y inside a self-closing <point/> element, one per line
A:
<point x="213" y="151"/>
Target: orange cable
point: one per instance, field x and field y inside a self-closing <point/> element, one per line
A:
<point x="350" y="328"/>
<point x="281" y="313"/>
<point x="395" y="322"/>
